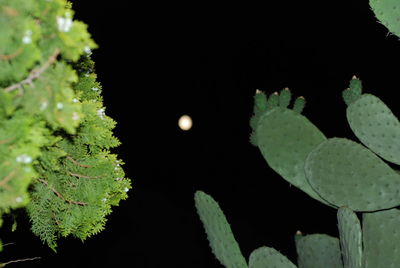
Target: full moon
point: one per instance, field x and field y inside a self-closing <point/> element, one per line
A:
<point x="185" y="122"/>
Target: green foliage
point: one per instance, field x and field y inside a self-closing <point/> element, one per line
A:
<point x="55" y="138"/>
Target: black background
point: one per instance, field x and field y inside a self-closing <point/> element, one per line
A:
<point x="157" y="62"/>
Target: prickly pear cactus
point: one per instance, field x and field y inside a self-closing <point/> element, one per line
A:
<point x="285" y="137"/>
<point x="349" y="176"/>
<point x="387" y="12"/>
<point x="222" y="241"/>
<point x="317" y="250"/>
<point x="345" y="173"/>
<point x="338" y="172"/>
<point x="350" y="237"/>
<point x="376" y="244"/>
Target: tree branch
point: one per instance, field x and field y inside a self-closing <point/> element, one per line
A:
<point x="77" y="163"/>
<point x="61" y="196"/>
<point x="35" y="73"/>
<point x="20" y="260"/>
<point x="82" y="176"/>
<point x="7" y="178"/>
<point x="5" y="141"/>
<point x="12" y="55"/>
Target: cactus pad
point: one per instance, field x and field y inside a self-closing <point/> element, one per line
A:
<point x="346" y="173"/>
<point x="318" y="251"/>
<point x="353" y="92"/>
<point x="376" y="126"/>
<point x="285" y="97"/>
<point x="219" y="233"/>
<point x="381" y="238"/>
<point x="266" y="257"/>
<point x="388" y="13"/>
<point x="285" y="138"/>
<point x="350" y="237"/>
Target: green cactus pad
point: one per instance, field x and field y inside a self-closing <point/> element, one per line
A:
<point x="260" y="102"/>
<point x="273" y="100"/>
<point x="376" y="126"/>
<point x="299" y="104"/>
<point x="318" y="251"/>
<point x="219" y="233"/>
<point x="350" y="238"/>
<point x="266" y="257"/>
<point x="285" y="138"/>
<point x="381" y="236"/>
<point x="260" y="106"/>
<point x="284" y="98"/>
<point x="353" y="92"/>
<point x="346" y="173"/>
<point x="387" y="12"/>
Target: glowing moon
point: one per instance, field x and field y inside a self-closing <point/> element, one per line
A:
<point x="185" y="122"/>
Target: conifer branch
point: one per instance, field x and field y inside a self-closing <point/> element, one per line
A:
<point x="7" y="179"/>
<point x="35" y="73"/>
<point x="5" y="141"/>
<point x="12" y="55"/>
<point x="82" y="176"/>
<point x="61" y="196"/>
<point x="10" y="11"/>
<point x="20" y="260"/>
<point x="76" y="162"/>
<point x="8" y="244"/>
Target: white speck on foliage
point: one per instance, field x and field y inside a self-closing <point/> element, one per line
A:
<point x="27" y="38"/>
<point x="64" y="23"/>
<point x="24" y="158"/>
<point x="43" y="105"/>
<point x="101" y="113"/>
<point x="87" y="50"/>
<point x="75" y="116"/>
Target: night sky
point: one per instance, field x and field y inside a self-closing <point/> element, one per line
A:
<point x="157" y="62"/>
